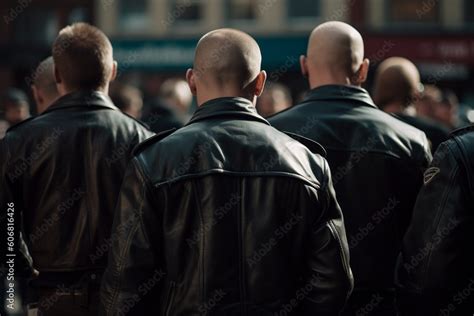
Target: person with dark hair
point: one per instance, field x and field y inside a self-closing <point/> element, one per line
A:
<point x="44" y="87"/>
<point x="447" y="109"/>
<point x="435" y="275"/>
<point x="127" y="98"/>
<point x="176" y="93"/>
<point x="227" y="216"/>
<point x="15" y="105"/>
<point x="275" y="98"/>
<point x="376" y="160"/>
<point x="60" y="176"/>
<point x="397" y="89"/>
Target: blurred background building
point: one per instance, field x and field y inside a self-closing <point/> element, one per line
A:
<point x="154" y="39"/>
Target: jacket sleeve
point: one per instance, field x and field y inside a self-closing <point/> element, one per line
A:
<point x="133" y="264"/>
<point x="430" y="267"/>
<point x="15" y="256"/>
<point x="327" y="263"/>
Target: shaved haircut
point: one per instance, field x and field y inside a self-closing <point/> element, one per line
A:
<point x="336" y="46"/>
<point x="43" y="78"/>
<point x="397" y="80"/>
<point x="83" y="56"/>
<point x="227" y="57"/>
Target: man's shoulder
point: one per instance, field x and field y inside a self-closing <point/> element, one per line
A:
<point x="464" y="137"/>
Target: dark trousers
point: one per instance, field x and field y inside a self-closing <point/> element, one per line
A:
<point x="371" y="303"/>
<point x="62" y="301"/>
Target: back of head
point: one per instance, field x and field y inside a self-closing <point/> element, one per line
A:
<point x="428" y="101"/>
<point x="15" y="105"/>
<point x="83" y="57"/>
<point x="274" y="99"/>
<point x="44" y="84"/>
<point x="226" y="61"/>
<point x="397" y="81"/>
<point x="336" y="51"/>
<point x="127" y="98"/>
<point x="176" y="93"/>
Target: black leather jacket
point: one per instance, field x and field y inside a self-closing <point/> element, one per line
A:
<point x="435" y="273"/>
<point x="227" y="216"/>
<point x="377" y="164"/>
<point x="63" y="170"/>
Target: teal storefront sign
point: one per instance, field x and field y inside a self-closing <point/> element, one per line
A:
<point x="177" y="54"/>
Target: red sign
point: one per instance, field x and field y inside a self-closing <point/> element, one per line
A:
<point x="445" y="49"/>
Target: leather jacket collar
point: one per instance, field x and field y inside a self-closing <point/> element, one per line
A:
<point x="86" y="98"/>
<point x="234" y="107"/>
<point x="340" y="92"/>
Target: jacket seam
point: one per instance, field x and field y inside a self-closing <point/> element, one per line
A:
<point x="313" y="184"/>
<point x="439" y="215"/>
<point x="122" y="257"/>
<point x="202" y="240"/>
<point x="342" y="255"/>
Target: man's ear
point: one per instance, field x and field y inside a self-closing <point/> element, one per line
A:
<point x="304" y="65"/>
<point x="260" y="83"/>
<point x="113" y="73"/>
<point x="57" y="76"/>
<point x="37" y="96"/>
<point x="190" y="78"/>
<point x="361" y="74"/>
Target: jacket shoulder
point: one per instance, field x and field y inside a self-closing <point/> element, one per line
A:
<point x="462" y="131"/>
<point x="22" y="123"/>
<point x="152" y="140"/>
<point x="136" y="121"/>
<point x="313" y="146"/>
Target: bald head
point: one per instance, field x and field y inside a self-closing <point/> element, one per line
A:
<point x="397" y="81"/>
<point x="335" y="55"/>
<point x="44" y="84"/>
<point x="227" y="60"/>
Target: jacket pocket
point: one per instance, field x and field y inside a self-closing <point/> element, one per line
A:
<point x="170" y="297"/>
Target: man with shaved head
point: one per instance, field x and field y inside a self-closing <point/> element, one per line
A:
<point x="377" y="161"/>
<point x="397" y="89"/>
<point x="227" y="215"/>
<point x="61" y="171"/>
<point x="44" y="87"/>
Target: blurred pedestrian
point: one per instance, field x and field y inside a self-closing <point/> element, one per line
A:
<point x="15" y="105"/>
<point x="435" y="275"/>
<point x="372" y="155"/>
<point x="425" y="105"/>
<point x="60" y="176"/>
<point x="176" y="93"/>
<point x="397" y="87"/>
<point x="227" y="216"/>
<point x="447" y="110"/>
<point x="275" y="98"/>
<point x="127" y="98"/>
<point x="44" y="87"/>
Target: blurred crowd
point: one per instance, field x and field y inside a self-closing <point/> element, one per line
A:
<point x="397" y="89"/>
<point x="231" y="192"/>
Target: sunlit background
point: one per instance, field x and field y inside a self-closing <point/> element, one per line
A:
<point x="154" y="39"/>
